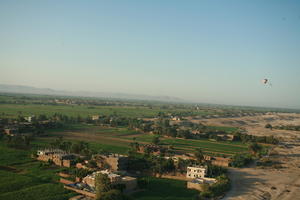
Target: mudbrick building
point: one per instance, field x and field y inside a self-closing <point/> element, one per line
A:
<point x="116" y="162"/>
<point x="129" y="182"/>
<point x="219" y="161"/>
<point x="57" y="156"/>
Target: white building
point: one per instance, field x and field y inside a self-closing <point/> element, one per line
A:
<point x="95" y="117"/>
<point x="30" y="118"/>
<point x="196" y="172"/>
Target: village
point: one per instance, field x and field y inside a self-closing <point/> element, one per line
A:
<point x="114" y="167"/>
<point x="121" y="154"/>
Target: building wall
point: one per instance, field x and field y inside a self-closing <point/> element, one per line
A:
<point x="67" y="163"/>
<point x="129" y="182"/>
<point x="65" y="181"/>
<point x="195" y="172"/>
<point x="56" y="160"/>
<point x="116" y="163"/>
<point x="89" y="194"/>
<point x="219" y="161"/>
<point x="89" y="181"/>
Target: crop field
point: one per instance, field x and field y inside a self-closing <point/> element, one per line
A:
<point x="23" y="178"/>
<point x="165" y="189"/>
<point x="223" y="128"/>
<point x="118" y="140"/>
<point x="14" y="110"/>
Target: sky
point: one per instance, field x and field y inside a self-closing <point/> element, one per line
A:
<point x="201" y="51"/>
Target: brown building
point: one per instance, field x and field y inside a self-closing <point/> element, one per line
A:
<point x="116" y="162"/>
<point x="58" y="156"/>
<point x="129" y="182"/>
<point x="90" y="179"/>
<point x="219" y="161"/>
<point x="152" y="149"/>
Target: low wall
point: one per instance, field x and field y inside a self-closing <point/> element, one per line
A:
<point x="89" y="194"/>
<point x="195" y="186"/>
<point x="64" y="175"/>
<point x="65" y="181"/>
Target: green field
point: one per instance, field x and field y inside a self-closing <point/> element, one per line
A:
<point x="23" y="178"/>
<point x="14" y="110"/>
<point x="118" y="140"/>
<point x="188" y="145"/>
<point x="165" y="189"/>
<point x="223" y="128"/>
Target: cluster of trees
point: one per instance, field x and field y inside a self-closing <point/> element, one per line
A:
<point x="150" y="164"/>
<point x="284" y="127"/>
<point x="220" y="173"/>
<point x="107" y="191"/>
<point x="37" y="126"/>
<point x="18" y="141"/>
<point x="182" y="130"/>
<point x="160" y="165"/>
<point x="75" y="172"/>
<point x="256" y="149"/>
<point x="111" y="120"/>
<point x="241" y="159"/>
<point x="79" y="147"/>
<point x="215" y="171"/>
<point x="245" y="138"/>
<point x="217" y="189"/>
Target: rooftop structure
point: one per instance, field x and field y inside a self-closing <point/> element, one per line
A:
<point x="129" y="182"/>
<point x="117" y="162"/>
<point x="90" y="179"/>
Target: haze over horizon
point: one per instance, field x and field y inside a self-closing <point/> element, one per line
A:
<point x="202" y="51"/>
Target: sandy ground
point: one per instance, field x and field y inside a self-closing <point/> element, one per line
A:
<point x="256" y="124"/>
<point x="254" y="183"/>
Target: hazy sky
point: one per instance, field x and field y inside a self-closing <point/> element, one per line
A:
<point x="204" y="51"/>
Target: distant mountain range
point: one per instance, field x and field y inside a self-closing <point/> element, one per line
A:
<point x="47" y="91"/>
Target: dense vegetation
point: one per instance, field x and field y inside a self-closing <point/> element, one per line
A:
<point x="284" y="127"/>
<point x="21" y="177"/>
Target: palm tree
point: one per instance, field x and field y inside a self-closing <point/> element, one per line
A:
<point x="199" y="155"/>
<point x="254" y="148"/>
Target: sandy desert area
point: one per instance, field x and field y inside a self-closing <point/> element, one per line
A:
<point x="256" y="183"/>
